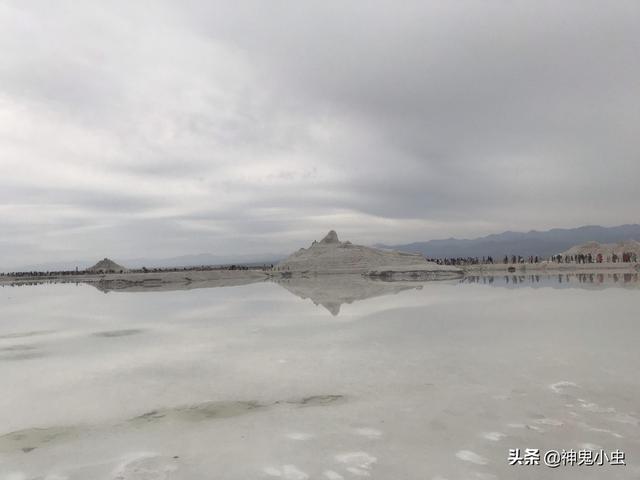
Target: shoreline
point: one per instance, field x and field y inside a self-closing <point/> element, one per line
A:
<point x="147" y="281"/>
<point x="191" y="279"/>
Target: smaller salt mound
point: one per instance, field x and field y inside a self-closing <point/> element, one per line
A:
<point x="605" y="249"/>
<point x="330" y="255"/>
<point x="107" y="265"/>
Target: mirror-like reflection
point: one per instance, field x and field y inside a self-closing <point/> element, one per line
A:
<point x="560" y="280"/>
<point x="332" y="291"/>
<point x="254" y="382"/>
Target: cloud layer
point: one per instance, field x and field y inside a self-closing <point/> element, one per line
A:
<point x="164" y="128"/>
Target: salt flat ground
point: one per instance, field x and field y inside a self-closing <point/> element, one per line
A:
<point x="252" y="382"/>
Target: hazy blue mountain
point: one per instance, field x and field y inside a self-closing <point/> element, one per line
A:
<point x="545" y="243"/>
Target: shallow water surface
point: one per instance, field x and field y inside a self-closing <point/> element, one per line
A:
<point x="322" y="379"/>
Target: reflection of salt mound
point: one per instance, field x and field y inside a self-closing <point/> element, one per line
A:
<point x="605" y="249"/>
<point x="106" y="266"/>
<point x="331" y="291"/>
<point x="330" y="255"/>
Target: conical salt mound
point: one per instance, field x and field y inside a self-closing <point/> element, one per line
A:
<point x="330" y="255"/>
<point x="107" y="265"/>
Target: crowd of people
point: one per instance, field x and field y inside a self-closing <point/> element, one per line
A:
<point x="626" y="257"/>
<point x="488" y="260"/>
<point x="77" y="272"/>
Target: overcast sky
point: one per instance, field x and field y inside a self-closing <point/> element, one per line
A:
<point x="151" y="128"/>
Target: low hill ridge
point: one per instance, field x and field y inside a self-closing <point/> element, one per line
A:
<point x="607" y="250"/>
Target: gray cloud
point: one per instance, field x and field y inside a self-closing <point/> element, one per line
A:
<point x="250" y="127"/>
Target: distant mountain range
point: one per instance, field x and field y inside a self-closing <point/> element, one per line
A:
<point x="544" y="244"/>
